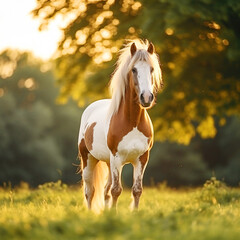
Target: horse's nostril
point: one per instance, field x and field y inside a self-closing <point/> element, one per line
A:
<point x="151" y="97"/>
<point x="142" y="97"/>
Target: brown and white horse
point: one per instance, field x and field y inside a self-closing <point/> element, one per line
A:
<point x="117" y="131"/>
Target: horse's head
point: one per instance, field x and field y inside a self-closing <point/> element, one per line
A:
<point x="137" y="67"/>
<point x="143" y="75"/>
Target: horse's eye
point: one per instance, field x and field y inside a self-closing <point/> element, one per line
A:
<point x="151" y="69"/>
<point x="134" y="70"/>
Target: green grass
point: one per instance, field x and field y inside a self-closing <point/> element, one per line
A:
<point x="55" y="211"/>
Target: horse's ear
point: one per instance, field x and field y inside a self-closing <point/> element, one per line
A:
<point x="151" y="48"/>
<point x="133" y="48"/>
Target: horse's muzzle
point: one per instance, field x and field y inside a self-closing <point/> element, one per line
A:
<point x="146" y="99"/>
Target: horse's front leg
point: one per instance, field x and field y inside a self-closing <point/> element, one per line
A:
<point x="139" y="168"/>
<point x="116" y="170"/>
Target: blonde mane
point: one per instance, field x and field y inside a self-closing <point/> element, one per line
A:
<point x="125" y="63"/>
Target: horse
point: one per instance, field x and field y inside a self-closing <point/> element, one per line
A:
<point x="117" y="131"/>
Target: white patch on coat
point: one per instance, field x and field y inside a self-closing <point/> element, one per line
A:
<point x="133" y="145"/>
<point x="100" y="149"/>
<point x="97" y="112"/>
<point x="144" y="79"/>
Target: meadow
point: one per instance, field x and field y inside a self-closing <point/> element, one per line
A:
<point x="57" y="211"/>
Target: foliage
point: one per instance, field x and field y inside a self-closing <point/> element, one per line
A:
<point x="56" y="186"/>
<point x="222" y="154"/>
<point x="228" y="140"/>
<point x="214" y="191"/>
<point x="57" y="212"/>
<point x="177" y="164"/>
<point x="37" y="137"/>
<point x="198" y="43"/>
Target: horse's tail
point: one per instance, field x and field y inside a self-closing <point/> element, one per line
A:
<point x="100" y="175"/>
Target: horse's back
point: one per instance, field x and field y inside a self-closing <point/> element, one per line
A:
<point x="93" y="129"/>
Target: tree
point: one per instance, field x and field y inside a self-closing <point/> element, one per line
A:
<point x="228" y="140"/>
<point x="198" y="43"/>
<point x="38" y="139"/>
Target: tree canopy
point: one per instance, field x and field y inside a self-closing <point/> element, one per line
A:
<point x="38" y="138"/>
<point x="199" y="48"/>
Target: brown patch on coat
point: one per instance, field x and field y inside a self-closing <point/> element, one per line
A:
<point x="86" y="145"/>
<point x="108" y="185"/>
<point x="129" y="116"/>
<point x="89" y="136"/>
<point x="116" y="187"/>
<point x="137" y="188"/>
<point x="83" y="153"/>
<point x="144" y="159"/>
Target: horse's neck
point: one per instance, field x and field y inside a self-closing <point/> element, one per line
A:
<point x="131" y="108"/>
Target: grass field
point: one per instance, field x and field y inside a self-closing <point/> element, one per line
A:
<point x="55" y="211"/>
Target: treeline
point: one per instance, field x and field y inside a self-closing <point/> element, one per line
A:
<point x="38" y="136"/>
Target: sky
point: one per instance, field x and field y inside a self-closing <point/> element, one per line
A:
<point x="19" y="30"/>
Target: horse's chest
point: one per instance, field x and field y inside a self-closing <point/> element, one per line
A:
<point x="133" y="145"/>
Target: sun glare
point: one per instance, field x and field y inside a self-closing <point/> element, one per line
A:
<point x="18" y="30"/>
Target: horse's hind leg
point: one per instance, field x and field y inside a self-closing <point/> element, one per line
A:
<point x="88" y="163"/>
<point x="138" y="172"/>
<point x="87" y="174"/>
<point x="107" y="196"/>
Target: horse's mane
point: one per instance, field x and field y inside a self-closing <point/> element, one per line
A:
<point x="124" y="64"/>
